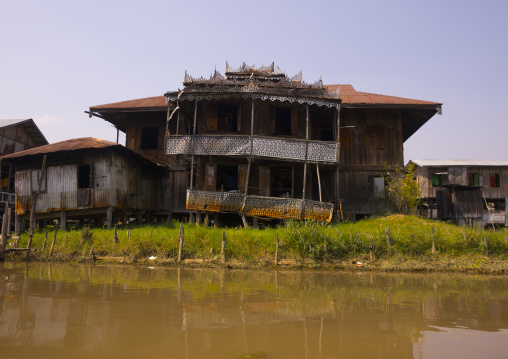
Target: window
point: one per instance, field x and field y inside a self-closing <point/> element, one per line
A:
<point x="149" y="138"/>
<point x="227" y="178"/>
<point x="84" y="176"/>
<point x="474" y="179"/>
<point x="435" y="180"/>
<point x="282" y="182"/>
<point x="379" y="187"/>
<point x="495" y="180"/>
<point x="227" y="118"/>
<point x="283" y="121"/>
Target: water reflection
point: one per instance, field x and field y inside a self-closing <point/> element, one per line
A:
<point x="61" y="310"/>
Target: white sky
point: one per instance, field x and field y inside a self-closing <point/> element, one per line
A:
<point x="57" y="58"/>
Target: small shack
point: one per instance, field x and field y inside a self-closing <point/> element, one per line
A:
<point x="86" y="179"/>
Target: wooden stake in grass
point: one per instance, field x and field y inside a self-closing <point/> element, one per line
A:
<point x="34" y="203"/>
<point x="325" y="248"/>
<point x="84" y="234"/>
<point x="115" y="239"/>
<point x="388" y="241"/>
<point x="223" y="247"/>
<point x="486" y="245"/>
<point x="180" y="245"/>
<point x="151" y="232"/>
<point x="45" y="239"/>
<point x="277" y="250"/>
<point x="54" y="240"/>
<point x="433" y="241"/>
<point x="129" y="233"/>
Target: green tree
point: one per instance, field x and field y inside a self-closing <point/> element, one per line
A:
<point x="402" y="189"/>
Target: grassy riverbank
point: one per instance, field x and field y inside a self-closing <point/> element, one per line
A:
<point x="301" y="244"/>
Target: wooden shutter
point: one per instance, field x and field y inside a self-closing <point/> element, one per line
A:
<point x="242" y="177"/>
<point x="239" y="119"/>
<point x="264" y="181"/>
<point x="211" y="117"/>
<point x="210" y="177"/>
<point x="294" y="121"/>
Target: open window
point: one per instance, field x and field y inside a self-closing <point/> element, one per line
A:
<point x="227" y="118"/>
<point x="84" y="176"/>
<point x="495" y="180"/>
<point x="283" y="121"/>
<point x="149" y="138"/>
<point x="281" y="182"/>
<point x="227" y="178"/>
<point x="474" y="179"/>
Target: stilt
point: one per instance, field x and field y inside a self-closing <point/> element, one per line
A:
<point x="198" y="217"/>
<point x="63" y="219"/>
<point x="215" y="220"/>
<point x="140" y="219"/>
<point x="255" y="223"/>
<point x="109" y="217"/>
<point x="17" y="225"/>
<point x="207" y="220"/>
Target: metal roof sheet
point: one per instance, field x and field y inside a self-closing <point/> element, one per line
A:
<point x="463" y="163"/>
<point x="30" y="127"/>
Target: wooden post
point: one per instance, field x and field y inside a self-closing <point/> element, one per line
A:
<point x="433" y="241"/>
<point x="139" y="219"/>
<point x="277" y="249"/>
<point x="180" y="245"/>
<point x="207" y="220"/>
<point x="255" y="223"/>
<point x="198" y="217"/>
<point x="486" y="245"/>
<point x="223" y="247"/>
<point x="109" y="217"/>
<point x="151" y="229"/>
<point x="34" y="203"/>
<point x="129" y="234"/>
<point x="63" y="219"/>
<point x="45" y="239"/>
<point x="17" y="225"/>
<point x="215" y="220"/>
<point x="191" y="219"/>
<point x="115" y="238"/>
<point x="54" y="240"/>
<point x="302" y="209"/>
<point x="319" y="182"/>
<point x="388" y="241"/>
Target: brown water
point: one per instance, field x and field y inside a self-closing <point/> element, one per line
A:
<point x="86" y="311"/>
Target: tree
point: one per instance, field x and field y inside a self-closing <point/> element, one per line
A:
<point x="402" y="189"/>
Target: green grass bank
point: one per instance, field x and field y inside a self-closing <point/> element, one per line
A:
<point x="306" y="245"/>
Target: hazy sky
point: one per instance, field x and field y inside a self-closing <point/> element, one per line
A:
<point x="57" y="58"/>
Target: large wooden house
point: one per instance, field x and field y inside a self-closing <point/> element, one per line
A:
<point x="259" y="143"/>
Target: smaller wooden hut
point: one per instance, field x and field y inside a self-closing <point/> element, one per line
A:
<point x="86" y="179"/>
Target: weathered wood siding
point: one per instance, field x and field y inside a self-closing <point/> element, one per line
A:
<point x="15" y="139"/>
<point x="373" y="144"/>
<point x="115" y="182"/>
<point x="461" y="175"/>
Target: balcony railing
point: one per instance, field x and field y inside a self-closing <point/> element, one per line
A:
<point x="274" y="207"/>
<point x="233" y="145"/>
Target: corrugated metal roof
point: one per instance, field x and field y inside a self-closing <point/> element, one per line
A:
<point x="464" y="163"/>
<point x="69" y="145"/>
<point x="30" y="127"/>
<point x="153" y="103"/>
<point x="349" y="95"/>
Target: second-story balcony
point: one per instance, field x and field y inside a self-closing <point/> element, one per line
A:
<point x="260" y="146"/>
<point x="259" y="206"/>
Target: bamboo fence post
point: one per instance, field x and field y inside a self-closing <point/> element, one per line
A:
<point x="388" y="241"/>
<point x="223" y="247"/>
<point x="277" y="250"/>
<point x="129" y="233"/>
<point x="34" y="202"/>
<point x="151" y="229"/>
<point x="486" y="245"/>
<point x="433" y="241"/>
<point x="180" y="245"/>
<point x="45" y="239"/>
<point x="54" y="240"/>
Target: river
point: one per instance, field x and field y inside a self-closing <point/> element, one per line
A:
<point x="104" y="311"/>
